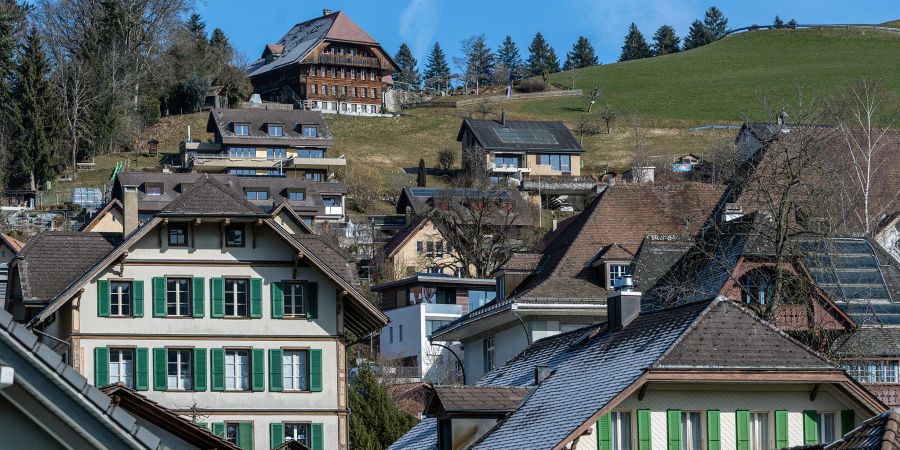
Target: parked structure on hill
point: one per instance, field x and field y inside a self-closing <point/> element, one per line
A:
<point x="329" y="64"/>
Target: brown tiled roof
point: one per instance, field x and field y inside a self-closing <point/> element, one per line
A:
<point x="400" y="238"/>
<point x="881" y="432"/>
<point x="467" y="399"/>
<point x="208" y="197"/>
<point x="331" y="255"/>
<point x="521" y="262"/>
<point x="275" y="49"/>
<point x="221" y="122"/>
<point x="345" y="29"/>
<point x="13" y="244"/>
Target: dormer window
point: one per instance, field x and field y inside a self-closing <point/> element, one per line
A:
<point x="296" y="195"/>
<point x="615" y="271"/>
<point x="757" y="287"/>
<point x="257" y="194"/>
<point x="242" y="129"/>
<point x="153" y="189"/>
<point x="310" y="131"/>
<point x="276" y="130"/>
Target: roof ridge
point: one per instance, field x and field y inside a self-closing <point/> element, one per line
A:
<point x="207" y="182"/>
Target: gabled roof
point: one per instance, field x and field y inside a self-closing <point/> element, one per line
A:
<point x="208" y="197"/>
<point x="521" y="135"/>
<point x="881" y="432"/>
<point x="221" y="122"/>
<point x="114" y="204"/>
<point x="475" y="399"/>
<point x="140" y="406"/>
<point x="423" y="436"/>
<point x="13" y="244"/>
<point x="400" y="239"/>
<point x="422" y="200"/>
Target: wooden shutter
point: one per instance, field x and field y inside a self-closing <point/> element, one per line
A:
<point x="198" y="297"/>
<point x="781" y="429"/>
<point x="277" y="295"/>
<point x="101" y="366"/>
<point x="159" y="296"/>
<point x="603" y="435"/>
<point x="713" y="430"/>
<point x="255" y="298"/>
<point x="102" y="299"/>
<point x="276" y="434"/>
<point x="159" y="369"/>
<point x="643" y="429"/>
<point x="276" y="383"/>
<point x="673" y="429"/>
<point x="200" y="369"/>
<point x="245" y="437"/>
<point x="137" y="299"/>
<point x="317" y="436"/>
<point x="312" y="300"/>
<point x="217" y="368"/>
<point x="258" y="370"/>
<point x="742" y="426"/>
<point x="217" y="297"/>
<point x="810" y="428"/>
<point x="142" y="369"/>
<point x="315" y="370"/>
<point x="848" y="421"/>
<point x="218" y="429"/>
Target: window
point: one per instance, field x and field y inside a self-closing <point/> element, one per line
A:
<point x="311" y="152"/>
<point x="237" y="370"/>
<point x="178" y="297"/>
<point x="616" y="271"/>
<point x="296" y="196"/>
<point x="355" y="91"/>
<point x="297" y="432"/>
<point x="120" y="298"/>
<point x="295" y="370"/>
<point x="153" y="189"/>
<point x="759" y="431"/>
<point x="874" y="371"/>
<point x="234" y="235"/>
<point x="489" y="354"/>
<point x="334" y="71"/>
<point x="315" y="88"/>
<point x="478" y="299"/>
<point x="372" y="77"/>
<point x="294" y="304"/>
<point x="236" y="297"/>
<point x="121" y="366"/>
<point x="420" y="246"/>
<point x="333" y="89"/>
<point x="179" y="366"/>
<point x="352" y="74"/>
<point x="178" y="234"/>
<point x="757" y="287"/>
<point x="391" y="334"/>
<point x="257" y="194"/>
<point x="241" y="152"/>
<point x="439" y="249"/>
<point x="343" y="71"/>
<point x="310" y="131"/>
<point x="691" y="436"/>
<point x="276" y="130"/>
<point x="313" y="176"/>
<point x="363" y="92"/>
<point x="560" y="163"/>
<point x="432" y="325"/>
<point x="825" y="427"/>
<point x="276" y="153"/>
<point x="233" y="433"/>
<point x="330" y="202"/>
<point x="242" y="129"/>
<point x="430" y="249"/>
<point x="322" y="70"/>
<point x="506" y="161"/>
<point x="620" y="430"/>
<point x="400" y="329"/>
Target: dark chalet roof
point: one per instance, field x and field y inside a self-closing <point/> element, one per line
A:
<point x="521" y="135"/>
<point x="221" y="122"/>
<point x="472" y="399"/>
<point x="881" y="432"/>
<point x="208" y="197"/>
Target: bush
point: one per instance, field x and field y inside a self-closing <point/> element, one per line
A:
<point x="532" y="85"/>
<point x="446" y="158"/>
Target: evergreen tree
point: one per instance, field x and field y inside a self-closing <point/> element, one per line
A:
<point x="553" y="61"/>
<point x="698" y="36"/>
<point x="376" y="422"/>
<point x="635" y="46"/>
<point x="34" y="116"/>
<point x="665" y="41"/>
<point x="778" y="23"/>
<point x="792" y="23"/>
<point x="437" y="72"/>
<point x="218" y="39"/>
<point x="508" y="55"/>
<point x="421" y="180"/>
<point x="408" y="73"/>
<point x="479" y="59"/>
<point x="582" y="54"/>
<point x="715" y="22"/>
<point x="7" y="55"/>
<point x="197" y="27"/>
<point x="539" y="56"/>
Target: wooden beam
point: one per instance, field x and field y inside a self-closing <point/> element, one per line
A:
<point x="814" y="392"/>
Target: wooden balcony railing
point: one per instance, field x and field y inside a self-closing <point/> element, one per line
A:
<point x="349" y="60"/>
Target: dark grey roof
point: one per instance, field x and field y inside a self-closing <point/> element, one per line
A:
<point x="221" y="122"/>
<point x="51" y="261"/>
<point x="522" y="135"/>
<point x="208" y="197"/>
<point x="869" y="341"/>
<point x="481" y="399"/>
<point x="656" y="256"/>
<point x="881" y="432"/>
<point x="74" y="400"/>
<point x="423" y="436"/>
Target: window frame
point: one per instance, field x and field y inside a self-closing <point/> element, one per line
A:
<point x="256" y="191"/>
<point x="306" y="425"/>
<point x="186" y="230"/>
<point x="180" y="300"/>
<point x="615" y="425"/>
<point x="115" y="298"/>
<point x="119" y="364"/>
<point x="150" y="189"/>
<point x="304" y="128"/>
<point x="689" y="425"/>
<point x="181" y="367"/>
<point x="293" y="192"/>
<point x="238" y="126"/>
<point x="490" y="354"/>
<point x="753" y="430"/>
<point x="303" y="297"/>
<point x="611" y="282"/>
<point x="233" y="281"/>
<point x="305" y="375"/>
<point x="820" y="429"/>
<point x="272" y="127"/>
<point x="249" y="369"/>
<point x="242" y="242"/>
<point x="237" y="433"/>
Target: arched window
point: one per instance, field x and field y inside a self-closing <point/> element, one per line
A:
<point x="757" y="287"/>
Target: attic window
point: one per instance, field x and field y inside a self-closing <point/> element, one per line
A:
<point x="296" y="195"/>
<point x="242" y="129"/>
<point x="615" y="271"/>
<point x="310" y="131"/>
<point x="757" y="287"/>
<point x="276" y="130"/>
<point x="257" y="194"/>
<point x="153" y="189"/>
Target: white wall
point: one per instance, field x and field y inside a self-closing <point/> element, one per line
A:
<point x="412" y="318"/>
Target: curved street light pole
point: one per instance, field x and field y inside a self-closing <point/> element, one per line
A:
<point x="462" y="367"/>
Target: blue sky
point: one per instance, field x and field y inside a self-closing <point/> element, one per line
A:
<point x="419" y="23"/>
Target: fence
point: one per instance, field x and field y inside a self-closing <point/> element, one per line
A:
<point x="821" y="25"/>
<point x="496" y="98"/>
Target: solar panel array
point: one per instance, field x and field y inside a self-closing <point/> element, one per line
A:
<point x="525" y="136"/>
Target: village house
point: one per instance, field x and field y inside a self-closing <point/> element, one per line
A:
<point x="9" y="248"/>
<point x="265" y="142"/>
<point x="675" y="378"/>
<point x="328" y="64"/>
<point x="214" y="308"/>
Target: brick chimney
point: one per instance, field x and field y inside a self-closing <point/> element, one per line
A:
<point x="625" y="305"/>
<point x="129" y="209"/>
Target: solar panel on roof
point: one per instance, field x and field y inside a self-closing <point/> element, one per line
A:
<point x="525" y="136"/>
<point x="854" y="246"/>
<point x="859" y="277"/>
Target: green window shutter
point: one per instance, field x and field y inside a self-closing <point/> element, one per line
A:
<point x="848" y="421"/>
<point x="202" y="425"/>
<point x="277" y="295"/>
<point x="276" y="434"/>
<point x="275" y="371"/>
<point x="255" y="298"/>
<point x="245" y="435"/>
<point x="315" y="370"/>
<point x="101" y="366"/>
<point x="199" y="369"/>
<point x="142" y="369"/>
<point x="159" y="296"/>
<point x="102" y="298"/>
<point x="713" y="430"/>
<point x="159" y="369"/>
<point x="312" y="300"/>
<point x="673" y="429"/>
<point x="258" y="370"/>
<point x="217" y="368"/>
<point x="643" y="429"/>
<point x="137" y="286"/>
<point x="781" y="429"/>
<point x="603" y="433"/>
<point x="742" y="426"/>
<point x="810" y="428"/>
<point x="218" y="429"/>
<point x="198" y="297"/>
<point x="317" y="436"/>
<point x="217" y="297"/>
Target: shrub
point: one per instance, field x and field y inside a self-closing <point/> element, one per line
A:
<point x="532" y="85"/>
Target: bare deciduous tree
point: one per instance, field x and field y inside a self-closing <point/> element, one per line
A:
<point x="365" y="185"/>
<point x="446" y="158"/>
<point x="609" y="116"/>
<point x="486" y="108"/>
<point x="593" y="95"/>
<point x="585" y="127"/>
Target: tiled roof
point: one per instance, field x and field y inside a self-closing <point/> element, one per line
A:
<point x="14" y="244"/>
<point x="53" y="260"/>
<point x="345" y="29"/>
<point x="871" y="341"/>
<point x="331" y="255"/>
<point x="881" y="432"/>
<point x="221" y="122"/>
<point x="421" y="200"/>
<point x="463" y="399"/>
<point x="423" y="436"/>
<point x="522" y="263"/>
<point x="657" y="255"/>
<point x="398" y="239"/>
<point x="522" y="135"/>
<point x="208" y="197"/>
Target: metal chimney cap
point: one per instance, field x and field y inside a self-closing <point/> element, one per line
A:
<point x="625" y="284"/>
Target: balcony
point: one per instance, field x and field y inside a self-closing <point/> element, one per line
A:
<point x="317" y="163"/>
<point x="219" y="163"/>
<point x="348" y="60"/>
<point x="334" y="211"/>
<point x="507" y="168"/>
<point x="436" y="308"/>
